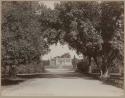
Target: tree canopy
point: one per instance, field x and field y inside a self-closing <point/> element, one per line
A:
<point x="22" y="37"/>
<point x="91" y="28"/>
<point x="94" y="29"/>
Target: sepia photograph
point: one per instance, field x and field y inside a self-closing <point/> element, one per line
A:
<point x="62" y="48"/>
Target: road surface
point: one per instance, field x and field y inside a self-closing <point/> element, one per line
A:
<point x="61" y="82"/>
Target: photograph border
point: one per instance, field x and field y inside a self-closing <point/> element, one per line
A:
<point x="61" y="96"/>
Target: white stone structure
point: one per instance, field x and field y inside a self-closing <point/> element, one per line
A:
<point x="64" y="61"/>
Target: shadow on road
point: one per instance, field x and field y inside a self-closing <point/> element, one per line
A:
<point x="57" y="73"/>
<point x="49" y="73"/>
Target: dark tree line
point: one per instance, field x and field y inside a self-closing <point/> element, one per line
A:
<point x="22" y="37"/>
<point x="93" y="29"/>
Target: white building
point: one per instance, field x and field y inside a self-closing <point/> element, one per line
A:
<point x="63" y="61"/>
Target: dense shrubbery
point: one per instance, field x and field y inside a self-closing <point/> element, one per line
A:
<point x="29" y="68"/>
<point x="82" y="66"/>
<point x="22" y="34"/>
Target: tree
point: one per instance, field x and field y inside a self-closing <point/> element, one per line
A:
<point x="91" y="28"/>
<point x="80" y="22"/>
<point x="22" y="37"/>
<point x="111" y="32"/>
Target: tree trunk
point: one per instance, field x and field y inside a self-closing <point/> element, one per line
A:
<point x="90" y="67"/>
<point x="105" y="74"/>
<point x="12" y="71"/>
<point x="41" y="63"/>
<point x="104" y="70"/>
<point x="43" y="68"/>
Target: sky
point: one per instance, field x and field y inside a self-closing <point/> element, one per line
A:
<point x="57" y="50"/>
<point x="49" y="4"/>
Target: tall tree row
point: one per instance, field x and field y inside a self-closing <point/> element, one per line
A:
<point x="94" y="29"/>
<point x="22" y="37"/>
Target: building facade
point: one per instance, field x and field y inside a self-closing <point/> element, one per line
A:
<point x="63" y="61"/>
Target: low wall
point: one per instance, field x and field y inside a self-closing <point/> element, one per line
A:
<point x="115" y="79"/>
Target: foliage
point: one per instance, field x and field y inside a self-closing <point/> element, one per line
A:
<point x="82" y="66"/>
<point x="93" y="29"/>
<point x="22" y="37"/>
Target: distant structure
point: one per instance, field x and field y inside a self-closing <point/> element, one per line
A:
<point x="63" y="61"/>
